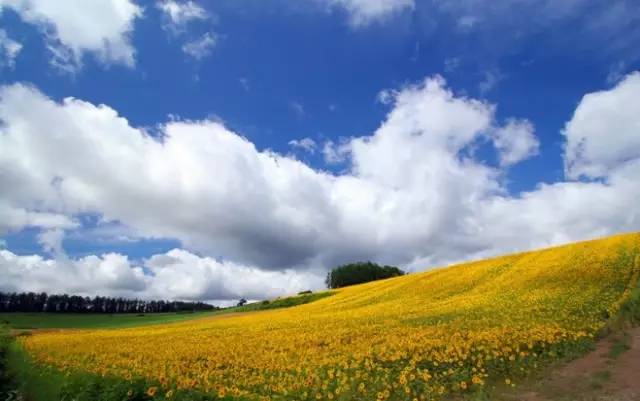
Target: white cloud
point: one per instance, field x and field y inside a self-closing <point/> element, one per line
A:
<point x="181" y="13"/>
<point x="604" y="133"/>
<point x="177" y="274"/>
<point x="515" y="142"/>
<point x="335" y="153"/>
<point x="201" y="47"/>
<point x="306" y="144"/>
<point x="364" y="12"/>
<point x="178" y="16"/>
<point x="9" y="50"/>
<point x="15" y="217"/>
<point x="75" y="27"/>
<point x="412" y="194"/>
<point x="51" y="241"/>
<point x="110" y="274"/>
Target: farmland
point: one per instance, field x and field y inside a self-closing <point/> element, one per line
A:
<point x="424" y="336"/>
<point x="27" y="321"/>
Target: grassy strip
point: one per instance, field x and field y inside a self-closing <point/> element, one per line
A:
<point x="28" y="321"/>
<point x="281" y="302"/>
<point x="7" y="389"/>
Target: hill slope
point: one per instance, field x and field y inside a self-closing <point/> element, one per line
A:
<point x="420" y="336"/>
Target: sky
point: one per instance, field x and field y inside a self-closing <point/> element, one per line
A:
<point x="240" y="149"/>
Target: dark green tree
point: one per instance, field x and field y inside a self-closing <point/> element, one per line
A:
<point x="360" y="272"/>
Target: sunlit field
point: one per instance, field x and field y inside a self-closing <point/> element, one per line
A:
<point x="417" y="337"/>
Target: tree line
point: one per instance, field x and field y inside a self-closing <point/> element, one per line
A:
<point x="42" y="302"/>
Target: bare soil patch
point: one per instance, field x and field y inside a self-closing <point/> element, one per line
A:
<point x="609" y="373"/>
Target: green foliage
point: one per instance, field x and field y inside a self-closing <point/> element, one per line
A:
<point x="6" y="382"/>
<point x="360" y="272"/>
<point x="281" y="302"/>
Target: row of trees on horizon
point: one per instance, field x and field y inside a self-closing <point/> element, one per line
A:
<point x="42" y="302"/>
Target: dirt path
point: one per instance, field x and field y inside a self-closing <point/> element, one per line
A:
<point x="610" y="373"/>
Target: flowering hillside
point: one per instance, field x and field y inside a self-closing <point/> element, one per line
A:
<point x="417" y="337"/>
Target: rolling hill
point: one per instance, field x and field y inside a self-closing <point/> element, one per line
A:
<point x="425" y="336"/>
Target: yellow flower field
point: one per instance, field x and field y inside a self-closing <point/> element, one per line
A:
<point x="415" y="337"/>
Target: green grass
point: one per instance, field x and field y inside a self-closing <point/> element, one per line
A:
<point x="26" y="321"/>
<point x="281" y="302"/>
<point x="621" y="344"/>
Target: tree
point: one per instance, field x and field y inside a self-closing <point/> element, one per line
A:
<point x="242" y="301"/>
<point x="360" y="272"/>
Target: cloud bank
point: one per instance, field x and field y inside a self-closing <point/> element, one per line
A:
<point x="413" y="193"/>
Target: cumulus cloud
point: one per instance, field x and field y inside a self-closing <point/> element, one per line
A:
<point x="413" y="193"/>
<point x="108" y="274"/>
<point x="76" y="27"/>
<point x="364" y="12"/>
<point x="604" y="132"/>
<point x="9" y="50"/>
<point x="177" y="274"/>
<point x="515" y="142"/>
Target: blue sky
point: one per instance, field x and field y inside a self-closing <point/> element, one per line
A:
<point x="274" y="72"/>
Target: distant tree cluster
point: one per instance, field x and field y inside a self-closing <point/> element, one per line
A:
<point x="360" y="272"/>
<point x="41" y="302"/>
